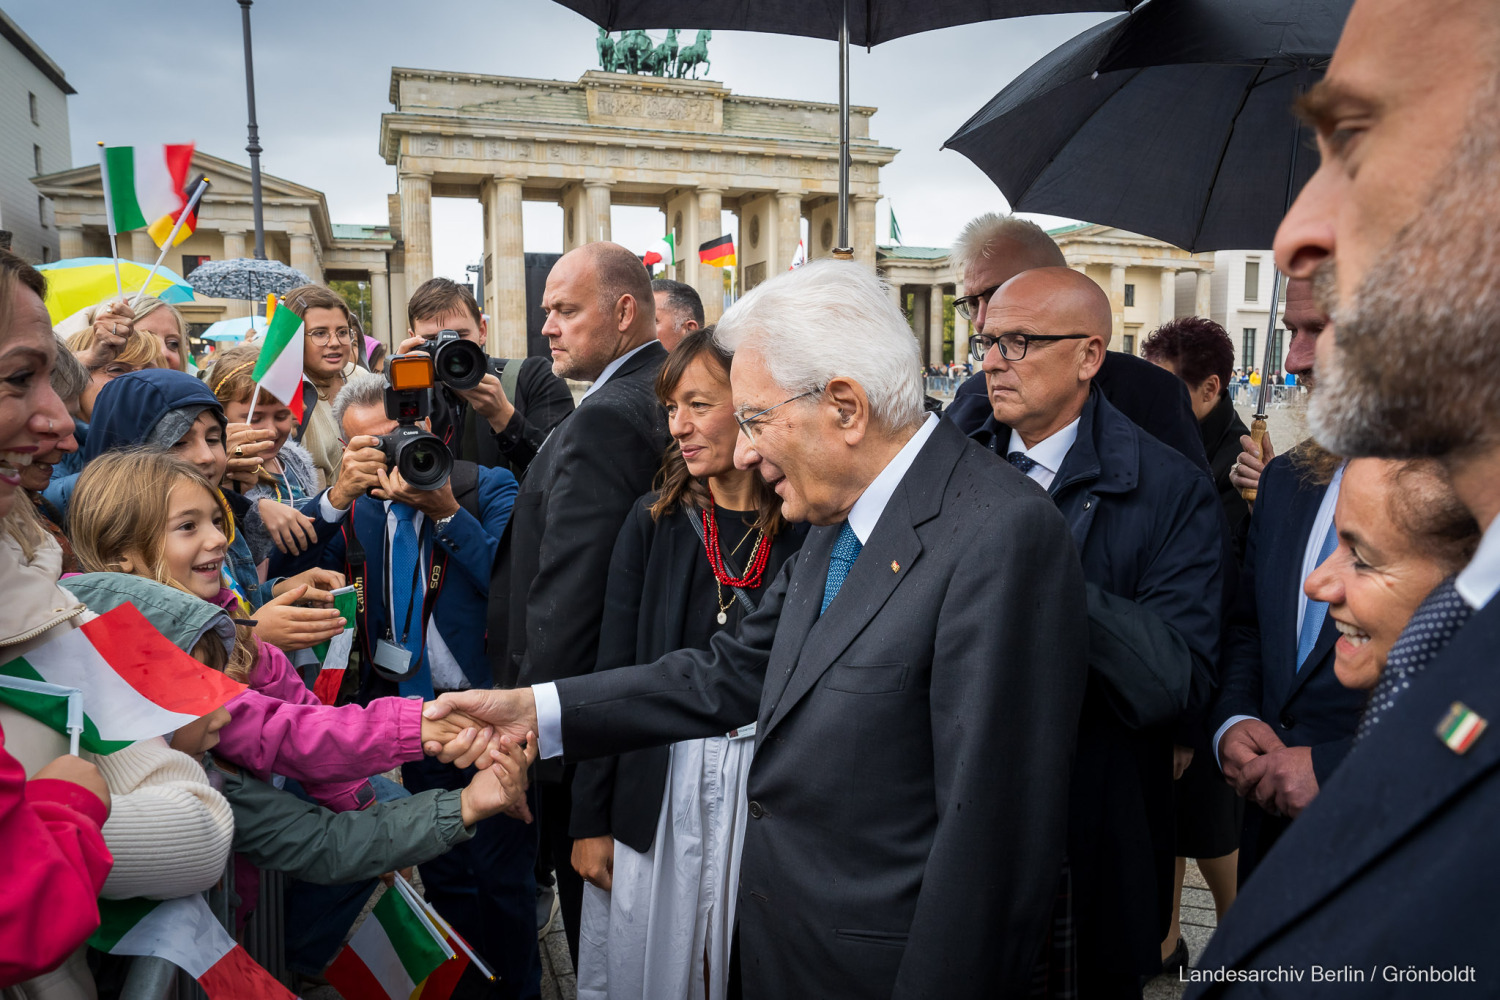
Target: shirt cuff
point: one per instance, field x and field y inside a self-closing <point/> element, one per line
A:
<point x="548" y="720"/>
<point x="1229" y="722"/>
<point x="330" y="513"/>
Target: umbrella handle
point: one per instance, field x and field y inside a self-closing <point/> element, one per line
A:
<point x="1257" y="434"/>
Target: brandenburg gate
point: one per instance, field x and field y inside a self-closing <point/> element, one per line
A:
<point x="688" y="147"/>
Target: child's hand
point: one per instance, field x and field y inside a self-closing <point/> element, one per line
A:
<point x="500" y="787"/>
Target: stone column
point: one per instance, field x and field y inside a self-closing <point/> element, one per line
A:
<point x="710" y="282"/>
<point x="416" y="226"/>
<point x="596" y="219"/>
<point x="507" y="287"/>
<point x="304" y="258"/>
<point x="69" y="242"/>
<point x="143" y="248"/>
<point x="862" y="227"/>
<point x="380" y="310"/>
<point x="935" y="324"/>
<point x="1168" y="310"/>
<point x="788" y="231"/>
<point x="1116" y="306"/>
<point x="1202" y="301"/>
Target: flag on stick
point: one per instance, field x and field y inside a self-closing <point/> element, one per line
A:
<point x="718" y="252"/>
<point x="185" y="932"/>
<point x="393" y="950"/>
<point x="663" y="251"/>
<point x="135" y="683"/>
<point x="334" y="654"/>
<point x="278" y="370"/>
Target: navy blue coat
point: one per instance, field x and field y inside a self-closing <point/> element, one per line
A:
<point x="1258" y="674"/>
<point x="1394" y="864"/>
<point x="471" y="544"/>
<point x="1149" y="528"/>
<point x="1153" y="397"/>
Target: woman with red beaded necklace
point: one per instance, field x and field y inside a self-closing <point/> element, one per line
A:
<point x="658" y="832"/>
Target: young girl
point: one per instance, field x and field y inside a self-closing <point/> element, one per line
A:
<point x="150" y="514"/>
<point x="274" y="473"/>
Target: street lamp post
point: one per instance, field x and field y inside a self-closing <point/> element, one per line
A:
<point x="253" y="148"/>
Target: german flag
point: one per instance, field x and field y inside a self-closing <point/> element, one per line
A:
<point x="719" y="252"/>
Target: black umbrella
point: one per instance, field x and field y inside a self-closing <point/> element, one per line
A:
<point x="864" y="22"/>
<point x="1174" y="121"/>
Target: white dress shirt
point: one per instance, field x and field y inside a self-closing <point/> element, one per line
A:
<point x="1479" y="581"/>
<point x="611" y="368"/>
<point x="1310" y="553"/>
<point x="863" y="517"/>
<point x="1048" y="453"/>
<point x="447" y="675"/>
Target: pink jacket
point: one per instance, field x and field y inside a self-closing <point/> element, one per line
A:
<point x="49" y="831"/>
<point x="279" y="726"/>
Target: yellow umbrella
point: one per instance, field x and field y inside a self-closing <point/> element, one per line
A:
<point x="79" y="282"/>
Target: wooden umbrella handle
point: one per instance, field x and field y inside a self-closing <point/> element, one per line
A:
<point x="1257" y="433"/>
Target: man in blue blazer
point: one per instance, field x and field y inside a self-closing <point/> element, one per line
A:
<point x="1388" y="878"/>
<point x="424" y="561"/>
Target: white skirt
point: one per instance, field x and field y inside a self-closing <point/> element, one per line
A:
<point x="664" y="931"/>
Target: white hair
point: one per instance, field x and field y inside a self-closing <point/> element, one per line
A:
<point x="1038" y="249"/>
<point x="831" y="319"/>
<point x="362" y="389"/>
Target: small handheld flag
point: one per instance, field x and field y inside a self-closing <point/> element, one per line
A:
<point x="718" y="252"/>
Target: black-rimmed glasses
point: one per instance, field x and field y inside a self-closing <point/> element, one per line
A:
<point x="747" y="424"/>
<point x="1013" y="346"/>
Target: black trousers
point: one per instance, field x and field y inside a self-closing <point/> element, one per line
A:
<point x="556" y="802"/>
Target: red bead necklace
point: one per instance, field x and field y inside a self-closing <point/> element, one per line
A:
<point x="758" y="560"/>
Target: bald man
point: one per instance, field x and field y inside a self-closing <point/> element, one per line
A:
<point x="554" y="559"/>
<point x="991" y="250"/>
<point x="1149" y="531"/>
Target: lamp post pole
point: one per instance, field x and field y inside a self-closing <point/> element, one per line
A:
<point x="253" y="148"/>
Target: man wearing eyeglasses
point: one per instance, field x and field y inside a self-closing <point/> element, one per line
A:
<point x="1150" y="534"/>
<point x="991" y="250"/>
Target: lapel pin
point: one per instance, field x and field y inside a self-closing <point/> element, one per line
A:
<point x="895" y="566"/>
<point x="1461" y="727"/>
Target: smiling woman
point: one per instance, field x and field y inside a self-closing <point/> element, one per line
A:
<point x="1402" y="531"/>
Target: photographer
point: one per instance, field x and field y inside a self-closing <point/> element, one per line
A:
<point x="504" y="419"/>
<point x="424" y="558"/>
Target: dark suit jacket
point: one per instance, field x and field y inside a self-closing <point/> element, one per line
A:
<point x="1152" y="397"/>
<point x="574" y="498"/>
<point x="1258" y="673"/>
<point x="908" y="793"/>
<point x="1394" y="863"/>
<point x="1148" y="528"/>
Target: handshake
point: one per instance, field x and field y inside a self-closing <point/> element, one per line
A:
<point x="472" y="727"/>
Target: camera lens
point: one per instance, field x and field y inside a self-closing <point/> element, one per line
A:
<point x="460" y="364"/>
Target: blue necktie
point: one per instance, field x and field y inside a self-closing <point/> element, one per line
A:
<point x="1430" y="629"/>
<point x="1317" y="611"/>
<point x="1022" y="461"/>
<point x="845" y="551"/>
<point x="406" y="598"/>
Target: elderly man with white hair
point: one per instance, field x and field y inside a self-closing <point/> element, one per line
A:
<point x="915" y="674"/>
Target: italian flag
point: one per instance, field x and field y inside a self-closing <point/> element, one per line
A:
<point x="135" y="685"/>
<point x="278" y="370"/>
<point x="394" y="950"/>
<point x="147" y="188"/>
<point x="663" y="251"/>
<point x="185" y="932"/>
<point x="334" y="654"/>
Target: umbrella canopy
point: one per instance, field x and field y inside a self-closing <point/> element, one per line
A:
<point x="79" y="282"/>
<point x="1173" y="121"/>
<point x="245" y="278"/>
<point x="235" y="329"/>
<point x="870" y="21"/>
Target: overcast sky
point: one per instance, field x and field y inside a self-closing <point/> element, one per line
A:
<point x="173" y="71"/>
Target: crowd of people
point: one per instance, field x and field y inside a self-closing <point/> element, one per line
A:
<point x="770" y="679"/>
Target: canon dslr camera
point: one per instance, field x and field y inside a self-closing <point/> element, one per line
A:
<point x="424" y="461"/>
